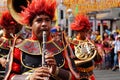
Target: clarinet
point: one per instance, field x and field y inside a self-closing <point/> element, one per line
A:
<point x="43" y="49"/>
<point x="44" y="52"/>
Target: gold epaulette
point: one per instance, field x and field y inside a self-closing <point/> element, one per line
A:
<point x="33" y="47"/>
<point x="5" y="43"/>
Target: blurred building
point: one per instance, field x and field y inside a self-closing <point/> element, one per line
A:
<point x="3" y="6"/>
<point x="103" y="14"/>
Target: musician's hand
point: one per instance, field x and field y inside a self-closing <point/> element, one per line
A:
<point x="40" y="73"/>
<point x="51" y="62"/>
<point x="3" y="62"/>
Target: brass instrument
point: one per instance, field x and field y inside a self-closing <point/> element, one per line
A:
<point x="15" y="7"/>
<point x="84" y="51"/>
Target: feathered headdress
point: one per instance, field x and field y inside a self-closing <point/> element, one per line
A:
<point x="37" y="7"/>
<point x="81" y="23"/>
<point x="6" y="20"/>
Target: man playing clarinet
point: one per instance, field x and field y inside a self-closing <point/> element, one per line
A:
<point x="27" y="61"/>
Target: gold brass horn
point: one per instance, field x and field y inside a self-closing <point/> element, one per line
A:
<point x="85" y="51"/>
<point x="15" y="7"/>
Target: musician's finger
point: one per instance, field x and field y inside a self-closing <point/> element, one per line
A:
<point x="51" y="64"/>
<point x="42" y="70"/>
<point x="49" y="60"/>
<point x="39" y="78"/>
<point x="49" y="56"/>
<point x="41" y="74"/>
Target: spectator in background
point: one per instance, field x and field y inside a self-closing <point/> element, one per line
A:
<point x="98" y="36"/>
<point x="116" y="45"/>
<point x="111" y="40"/>
<point x="107" y="50"/>
<point x="93" y="36"/>
<point x="115" y="33"/>
<point x="108" y="31"/>
<point x="100" y="50"/>
<point x="56" y="33"/>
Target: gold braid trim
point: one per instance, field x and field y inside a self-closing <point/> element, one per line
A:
<point x="4" y="40"/>
<point x="4" y="56"/>
<point x="29" y="72"/>
<point x="21" y="46"/>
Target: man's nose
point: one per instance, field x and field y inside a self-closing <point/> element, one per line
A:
<point x="44" y="23"/>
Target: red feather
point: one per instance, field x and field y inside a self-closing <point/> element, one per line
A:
<point x="6" y="20"/>
<point x="38" y="7"/>
<point x="81" y="23"/>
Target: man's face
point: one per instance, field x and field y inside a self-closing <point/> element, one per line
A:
<point x="82" y="35"/>
<point x="41" y="23"/>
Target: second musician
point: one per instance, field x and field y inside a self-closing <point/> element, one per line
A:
<point x="84" y="49"/>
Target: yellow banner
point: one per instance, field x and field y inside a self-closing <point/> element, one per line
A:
<point x="85" y="6"/>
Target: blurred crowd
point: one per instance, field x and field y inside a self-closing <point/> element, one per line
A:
<point x="108" y="46"/>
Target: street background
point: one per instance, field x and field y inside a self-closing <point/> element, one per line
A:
<point x="107" y="75"/>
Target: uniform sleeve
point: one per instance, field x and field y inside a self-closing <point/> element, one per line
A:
<point x="70" y="64"/>
<point x="14" y="64"/>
